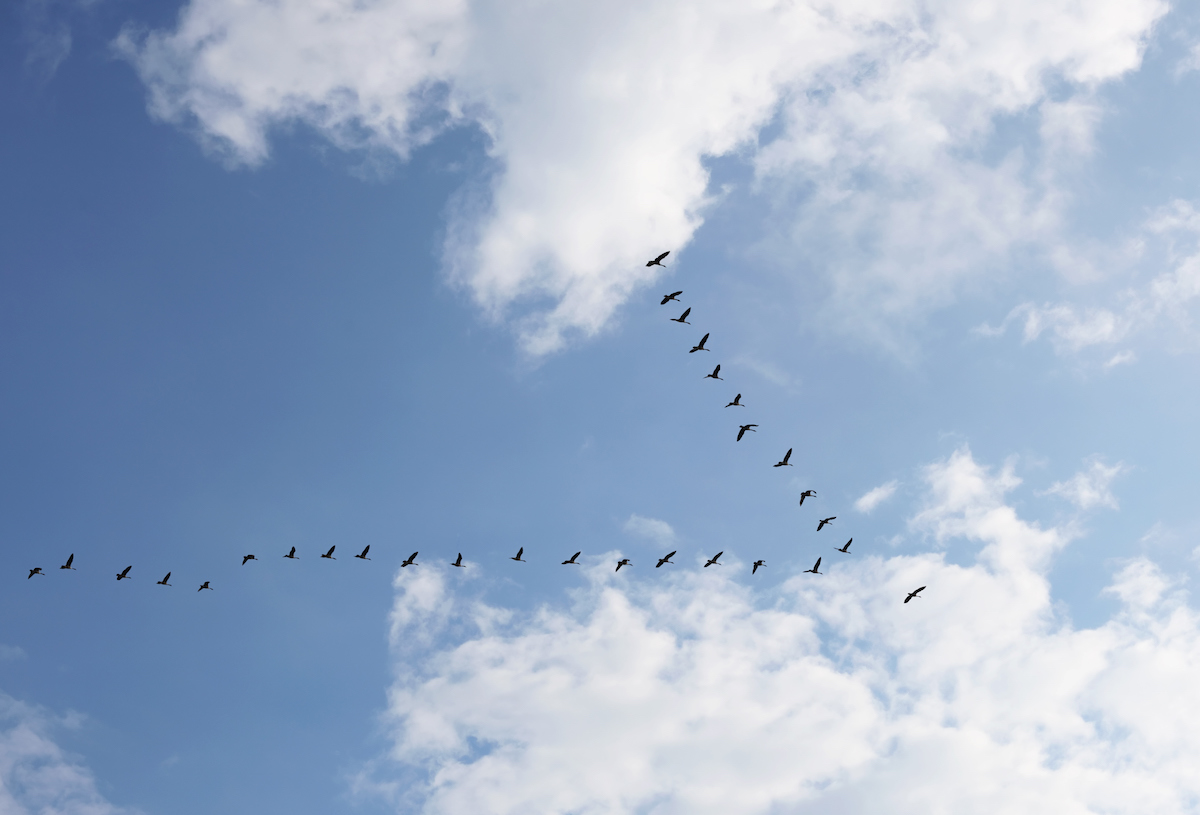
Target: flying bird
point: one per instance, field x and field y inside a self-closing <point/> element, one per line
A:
<point x="363" y="554"/>
<point x="623" y="562"/>
<point x="329" y="554"/>
<point x="786" y="456"/>
<point x="658" y="261"/>
<point x="845" y="550"/>
<point x="700" y="345"/>
<point x="292" y="554"/>
<point x="248" y="557"/>
<point x="38" y="570"/>
<point x="412" y="561"/>
<point x="814" y="569"/>
<point x="669" y="297"/>
<point x="682" y="318"/>
<point x="666" y="559"/>
<point x="164" y="582"/>
<point x="825" y="521"/>
<point x="571" y="560"/>
<point x="714" y="559"/>
<point x="124" y="575"/>
<point x="715" y="374"/>
<point x="913" y="594"/>
<point x="68" y="565"/>
<point x="458" y="561"/>
<point x="737" y="400"/>
<point x="744" y="428"/>
<point x="806" y="494"/>
<point x="520" y="552"/>
<point x="758" y="563"/>
<point x="204" y="586"/>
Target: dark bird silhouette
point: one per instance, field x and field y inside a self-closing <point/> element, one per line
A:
<point x="825" y="521"/>
<point x="744" y="428"/>
<point x="715" y="374"/>
<point x="204" y="586"/>
<point x="815" y="569"/>
<point x="700" y="345"/>
<point x="520" y="552"/>
<point x="248" y="557"/>
<point x="845" y="550"/>
<point x="658" y="261"/>
<point x="758" y="563"/>
<point x="737" y="402"/>
<point x="669" y="297"/>
<point x="623" y="562"/>
<point x="412" y="561"/>
<point x="68" y="565"/>
<point x="38" y="570"/>
<point x="806" y="494"/>
<point x="164" y="582"/>
<point x="124" y="575"/>
<point x="329" y="554"/>
<point x="292" y="554"/>
<point x="913" y="594"/>
<point x="682" y="318"/>
<point x="784" y="463"/>
<point x="363" y="554"/>
<point x="571" y="560"/>
<point x="666" y="559"/>
<point x="714" y="559"/>
<point x="458" y="561"/>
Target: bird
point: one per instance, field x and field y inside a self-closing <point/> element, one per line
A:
<point x="623" y="562"/>
<point x="758" y="563"/>
<point x="204" y="586"/>
<point x="814" y="569"/>
<point x="806" y="494"/>
<point x="363" y="554"/>
<point x="913" y="594"/>
<point x="714" y="559"/>
<point x="68" y="565"/>
<point x="458" y="562"/>
<point x="38" y="570"/>
<point x="571" y="560"/>
<point x="164" y="582"/>
<point x="666" y="559"/>
<point x="669" y="297"/>
<point x="248" y="557"/>
<point x="520" y="552"/>
<point x="744" y="428"/>
<point x="292" y="554"/>
<point x="658" y="262"/>
<point x="700" y="346"/>
<point x="412" y="561"/>
<point x="714" y="374"/>
<point x="124" y="575"/>
<point x="329" y="554"/>
<point x="682" y="318"/>
<point x="845" y="550"/>
<point x="737" y="401"/>
<point x="786" y="456"/>
<point x="825" y="521"/>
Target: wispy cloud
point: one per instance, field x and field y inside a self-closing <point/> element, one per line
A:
<point x="1090" y="487"/>
<point x="875" y="497"/>
<point x="650" y="528"/>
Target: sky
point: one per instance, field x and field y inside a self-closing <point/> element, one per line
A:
<point x="323" y="273"/>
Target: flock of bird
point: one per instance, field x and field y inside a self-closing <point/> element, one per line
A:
<point x="743" y="429"/>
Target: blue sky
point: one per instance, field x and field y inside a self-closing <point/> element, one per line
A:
<point x="314" y="274"/>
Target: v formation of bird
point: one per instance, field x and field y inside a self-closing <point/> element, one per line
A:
<point x="743" y="429"/>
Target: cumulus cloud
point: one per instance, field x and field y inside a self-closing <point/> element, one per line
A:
<point x="875" y="497"/>
<point x="600" y="118"/>
<point x="1091" y="487"/>
<point x="650" y="528"/>
<point x="692" y="693"/>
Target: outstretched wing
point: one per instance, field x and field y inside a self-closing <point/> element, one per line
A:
<point x="168" y="577"/>
<point x="787" y="455"/>
<point x="70" y="560"/>
<point x="817" y="565"/>
<point x="293" y="552"/>
<point x="364" y="551"/>
<point x="330" y="552"/>
<point x="685" y="314"/>
<point x="741" y="433"/>
<point x="659" y="259"/>
<point x="521" y="551"/>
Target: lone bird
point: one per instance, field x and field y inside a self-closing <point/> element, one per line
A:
<point x="363" y="554"/>
<point x="68" y="565"/>
<point x="412" y="561"/>
<point x="248" y="557"/>
<point x="38" y="570"/>
<point x="164" y="582"/>
<point x="913" y="594"/>
<point x="700" y="345"/>
<point x="737" y="400"/>
<point x="124" y="575"/>
<point x="825" y="521"/>
<point x="292" y="554"/>
<point x="204" y="586"/>
<point x="758" y="563"/>
<point x="715" y="374"/>
<point x="329" y="554"/>
<point x="714" y="559"/>
<point x="845" y="550"/>
<point x="658" y="261"/>
<point x="571" y="560"/>
<point x="806" y="494"/>
<point x="623" y="562"/>
<point x="744" y="428"/>
<point x="666" y="559"/>
<point x="669" y="297"/>
<point x="814" y="569"/>
<point x="458" y="561"/>
<point x="520" y="552"/>
<point x="784" y="463"/>
<point x="682" y="318"/>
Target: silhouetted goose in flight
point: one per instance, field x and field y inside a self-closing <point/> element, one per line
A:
<point x="248" y="557"/>
<point x="666" y="559"/>
<point x="124" y="575"/>
<point x="658" y="261"/>
<point x="758" y="563"/>
<point x="784" y="463"/>
<point x="737" y="401"/>
<point x="715" y="374"/>
<point x="412" y="561"/>
<point x="744" y="428"/>
<point x="571" y="560"/>
<point x="204" y="586"/>
<point x="329" y="554"/>
<point x="458" y="561"/>
<point x="714" y="559"/>
<point x="913" y="594"/>
<point x="815" y="569"/>
<point x="68" y="565"/>
<point x="38" y="570"/>
<point x="845" y="550"/>
<point x="682" y="318"/>
<point x="700" y="345"/>
<point x="363" y="554"/>
<point x="292" y="554"/>
<point x="520" y="552"/>
<point x="806" y="494"/>
<point x="669" y="297"/>
<point x="164" y="582"/>
<point x="825" y="522"/>
<point x="623" y="562"/>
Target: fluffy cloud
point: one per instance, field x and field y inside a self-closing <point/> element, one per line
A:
<point x="695" y="694"/>
<point x="875" y="497"/>
<point x="867" y="120"/>
<point x="650" y="528"/>
<point x="1091" y="487"/>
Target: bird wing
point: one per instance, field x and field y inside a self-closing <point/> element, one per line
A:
<point x="703" y="340"/>
<point x="577" y="554"/>
<point x="330" y="552"/>
<point x="70" y="560"/>
<point x="918" y="591"/>
<point x="659" y="260"/>
<point x="817" y="565"/>
<point x="521" y="551"/>
<point x="168" y="577"/>
<point x="669" y="556"/>
<point x="741" y="433"/>
<point x="787" y="455"/>
<point x="413" y="557"/>
<point x="126" y="572"/>
<point x="685" y="314"/>
<point x="293" y="551"/>
<point x="364" y="551"/>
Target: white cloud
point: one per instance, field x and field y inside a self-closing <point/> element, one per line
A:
<point x="11" y="653"/>
<point x="691" y="693"/>
<point x="650" y="528"/>
<point x="600" y="117"/>
<point x="1091" y="487"/>
<point x="875" y="497"/>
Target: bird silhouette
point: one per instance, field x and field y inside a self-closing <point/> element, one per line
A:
<point x="682" y="318"/>
<point x="38" y="570"/>
<point x="124" y="575"/>
<point x="363" y="554"/>
<point x="571" y="560"/>
<point x="458" y="561"/>
<point x="714" y="559"/>
<point x="412" y="561"/>
<point x="814" y="569"/>
<point x="744" y="428"/>
<point x="164" y="582"/>
<point x="758" y="563"/>
<point x="666" y="559"/>
<point x="669" y="297"/>
<point x="204" y="586"/>
<point x="623" y="562"/>
<point x="329" y="554"/>
<point x="825" y="522"/>
<point x="248" y="557"/>
<point x="784" y="463"/>
<point x="68" y="565"/>
<point x="845" y="550"/>
<point x="700" y="346"/>
<point x="806" y="494"/>
<point x="715" y="374"/>
<point x="292" y="554"/>
<point x="520" y="552"/>
<point x="737" y="402"/>
<point x="658" y="261"/>
<point x="913" y="594"/>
